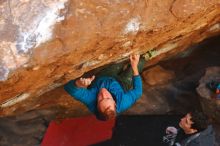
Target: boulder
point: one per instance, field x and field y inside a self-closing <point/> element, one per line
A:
<point x="157" y="75"/>
<point x="209" y="102"/>
<point x="45" y="43"/>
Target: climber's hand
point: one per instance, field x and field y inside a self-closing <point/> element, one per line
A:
<point x="134" y="59"/>
<point x="84" y="82"/>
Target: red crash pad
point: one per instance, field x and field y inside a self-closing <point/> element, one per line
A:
<point x="78" y="132"/>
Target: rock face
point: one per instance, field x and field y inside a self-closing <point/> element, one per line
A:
<point x="157" y="76"/>
<point x="45" y="43"/>
<point x="210" y="103"/>
<point x="26" y="129"/>
<point x="177" y="95"/>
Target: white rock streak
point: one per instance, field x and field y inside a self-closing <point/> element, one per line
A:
<point x="42" y="27"/>
<point x="10" y="59"/>
<point x="45" y="27"/>
<point x="33" y="22"/>
<point x="15" y="100"/>
<point x="132" y="26"/>
<point x="215" y="27"/>
<point x="3" y="73"/>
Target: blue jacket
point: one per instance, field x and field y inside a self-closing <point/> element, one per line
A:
<point x="124" y="99"/>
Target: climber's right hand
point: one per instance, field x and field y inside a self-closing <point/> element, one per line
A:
<point x="134" y="59"/>
<point x="84" y="82"/>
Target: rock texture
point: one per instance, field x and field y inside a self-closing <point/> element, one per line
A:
<point x="210" y="104"/>
<point x="45" y="43"/>
<point x="157" y="75"/>
<point x="177" y="95"/>
<point x="25" y="130"/>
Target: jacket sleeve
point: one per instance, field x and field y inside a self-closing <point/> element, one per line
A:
<point x="84" y="95"/>
<point x="131" y="96"/>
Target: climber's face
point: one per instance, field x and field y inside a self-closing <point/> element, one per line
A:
<point x="106" y="103"/>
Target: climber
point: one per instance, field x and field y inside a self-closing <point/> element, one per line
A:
<point x="192" y="130"/>
<point x="112" y="91"/>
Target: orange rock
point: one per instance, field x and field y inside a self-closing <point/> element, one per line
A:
<point x="157" y="75"/>
<point x="43" y="44"/>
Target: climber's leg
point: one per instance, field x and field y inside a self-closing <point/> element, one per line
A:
<point x="125" y="77"/>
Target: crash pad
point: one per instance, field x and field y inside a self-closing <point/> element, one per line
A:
<point x="78" y="132"/>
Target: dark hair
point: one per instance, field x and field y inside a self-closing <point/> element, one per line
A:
<point x="200" y="120"/>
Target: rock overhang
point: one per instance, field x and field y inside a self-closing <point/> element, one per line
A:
<point x="46" y="43"/>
